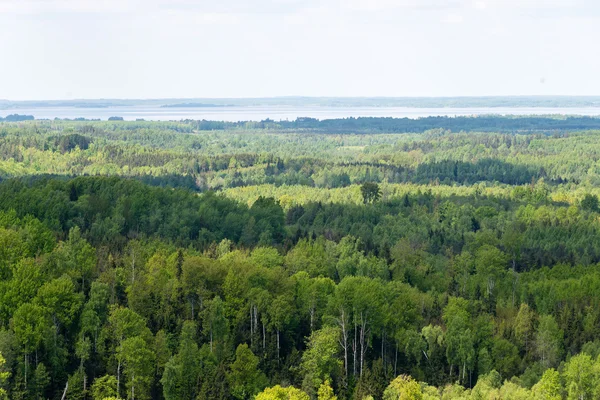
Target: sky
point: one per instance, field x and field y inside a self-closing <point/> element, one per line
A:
<point x="73" y="49"/>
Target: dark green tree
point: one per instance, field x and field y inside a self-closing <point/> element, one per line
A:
<point x="370" y="192"/>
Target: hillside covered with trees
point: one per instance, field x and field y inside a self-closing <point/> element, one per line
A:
<point x="149" y="260"/>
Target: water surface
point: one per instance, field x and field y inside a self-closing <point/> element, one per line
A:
<point x="278" y="113"/>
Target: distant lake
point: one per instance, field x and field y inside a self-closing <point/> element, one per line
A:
<point x="278" y="113"/>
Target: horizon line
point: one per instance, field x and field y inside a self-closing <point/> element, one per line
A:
<point x="304" y="97"/>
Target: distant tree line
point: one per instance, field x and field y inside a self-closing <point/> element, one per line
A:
<point x="17" y="118"/>
<point x="419" y="125"/>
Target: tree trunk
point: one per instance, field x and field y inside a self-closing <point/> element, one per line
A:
<point x="396" y="360"/>
<point x="64" y="396"/>
<point x="363" y="327"/>
<point x="344" y="339"/>
<point x="470" y="379"/>
<point x="514" y="270"/>
<point x="278" y="347"/>
<point x="25" y="370"/>
<point x="55" y="321"/>
<point x="382" y="348"/>
<point x="354" y="348"/>
<point x="119" y="378"/>
<point x="132" y="267"/>
<point x="255" y="319"/>
<point x="251" y="329"/>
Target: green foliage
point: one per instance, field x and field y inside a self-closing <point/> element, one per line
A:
<point x="549" y="386"/>
<point x="182" y="372"/>
<point x="320" y="362"/>
<point x="215" y="325"/>
<point x="459" y="338"/>
<point x="59" y="299"/>
<point x="3" y="378"/>
<point x="403" y="387"/>
<point x="138" y="361"/>
<point x="523" y="327"/>
<point x="104" y="387"/>
<point x="548" y="340"/>
<point x="280" y="393"/>
<point x="30" y="324"/>
<point x="581" y="378"/>
<point x="370" y="192"/>
<point x="325" y="392"/>
<point x="245" y="378"/>
<point x="330" y="263"/>
<point x="590" y="202"/>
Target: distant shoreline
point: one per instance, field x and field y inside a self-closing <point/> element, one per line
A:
<point x="195" y="105"/>
<point x="368" y="125"/>
<point x="412" y="102"/>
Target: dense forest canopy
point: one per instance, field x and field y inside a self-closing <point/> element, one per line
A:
<point x="406" y="125"/>
<point x="370" y="125"/>
<point x="159" y="260"/>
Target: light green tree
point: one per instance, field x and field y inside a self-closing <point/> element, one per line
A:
<point x="281" y="393"/>
<point x="325" y="392"/>
<point x="512" y="391"/>
<point x="123" y="323"/>
<point x="487" y="387"/>
<point x="22" y="288"/>
<point x="3" y="378"/>
<point x="459" y="337"/>
<point x="61" y="302"/>
<point x="490" y="265"/>
<point x="74" y="257"/>
<point x="30" y="324"/>
<point x="215" y="325"/>
<point x="104" y="387"/>
<point x="162" y="351"/>
<point x="138" y="361"/>
<point x="548" y="341"/>
<point x="580" y="378"/>
<point x="548" y="387"/>
<point x="280" y="312"/>
<point x="245" y="379"/>
<point x="523" y="327"/>
<point x="403" y="388"/>
<point x="320" y="362"/>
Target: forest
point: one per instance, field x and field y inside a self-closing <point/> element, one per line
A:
<point x="163" y="260"/>
<point x="410" y="125"/>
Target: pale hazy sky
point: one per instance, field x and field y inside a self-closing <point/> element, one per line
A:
<point x="61" y="49"/>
